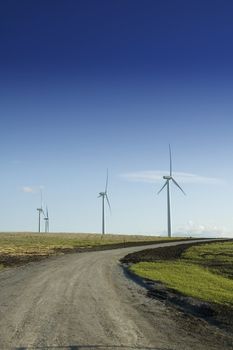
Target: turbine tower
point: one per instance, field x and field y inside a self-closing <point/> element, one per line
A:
<point x="169" y="178"/>
<point x="40" y="211"/>
<point x="46" y="219"/>
<point x="104" y="196"/>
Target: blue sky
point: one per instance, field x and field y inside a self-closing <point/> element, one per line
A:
<point x="89" y="85"/>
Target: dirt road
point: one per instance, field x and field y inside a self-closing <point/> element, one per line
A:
<point x="84" y="301"/>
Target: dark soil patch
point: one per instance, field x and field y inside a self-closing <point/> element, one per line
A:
<point x="219" y="315"/>
<point x="16" y="260"/>
<point x="161" y="253"/>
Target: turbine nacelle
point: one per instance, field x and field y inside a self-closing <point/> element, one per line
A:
<point x="101" y="194"/>
<point x="167" y="184"/>
<point x="104" y="196"/>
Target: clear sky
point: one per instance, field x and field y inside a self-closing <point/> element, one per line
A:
<point x="87" y="85"/>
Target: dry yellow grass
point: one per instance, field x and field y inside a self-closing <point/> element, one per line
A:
<point x="13" y="244"/>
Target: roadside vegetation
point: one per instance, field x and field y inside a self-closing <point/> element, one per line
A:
<point x="203" y="271"/>
<point x="217" y="257"/>
<point x="18" y="248"/>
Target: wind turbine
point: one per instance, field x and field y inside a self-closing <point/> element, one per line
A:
<point x="40" y="211"/>
<point x="46" y="218"/>
<point x="169" y="178"/>
<point x="104" y="196"/>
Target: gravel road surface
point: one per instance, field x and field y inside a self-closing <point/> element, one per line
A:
<point x="84" y="301"/>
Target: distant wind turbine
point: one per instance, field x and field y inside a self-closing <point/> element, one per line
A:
<point x="104" y="196"/>
<point x="169" y="178"/>
<point x="46" y="219"/>
<point x="40" y="211"/>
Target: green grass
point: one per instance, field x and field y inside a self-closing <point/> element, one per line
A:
<point x="216" y="256"/>
<point x="44" y="244"/>
<point x="202" y="272"/>
<point x="220" y="251"/>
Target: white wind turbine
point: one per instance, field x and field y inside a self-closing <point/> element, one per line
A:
<point x="169" y="178"/>
<point x="104" y="196"/>
<point x="40" y="210"/>
<point x="46" y="219"/>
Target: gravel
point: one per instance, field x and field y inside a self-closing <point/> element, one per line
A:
<point x="85" y="301"/>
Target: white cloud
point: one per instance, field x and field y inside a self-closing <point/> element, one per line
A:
<point x="203" y="230"/>
<point x="32" y="189"/>
<point x="153" y="176"/>
<point x="28" y="189"/>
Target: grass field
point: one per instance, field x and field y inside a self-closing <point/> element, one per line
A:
<point x="203" y="271"/>
<point x="26" y="246"/>
<point x="30" y="243"/>
<point x="218" y="257"/>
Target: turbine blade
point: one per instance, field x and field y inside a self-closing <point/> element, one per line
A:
<point x="170" y="156"/>
<point x="162" y="187"/>
<point x="108" y="203"/>
<point x="106" y="186"/>
<point x="178" y="186"/>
